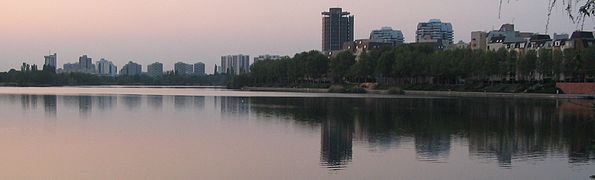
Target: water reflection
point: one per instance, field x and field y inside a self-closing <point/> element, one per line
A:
<point x="132" y="102"/>
<point x="105" y="103"/>
<point x="235" y="106"/>
<point x="50" y="105"/>
<point x="155" y="101"/>
<point x="85" y="105"/>
<point x="498" y="130"/>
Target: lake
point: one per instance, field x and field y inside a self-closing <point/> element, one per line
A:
<point x="208" y="133"/>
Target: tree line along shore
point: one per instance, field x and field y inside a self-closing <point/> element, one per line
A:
<point x="407" y="67"/>
<point x="421" y="67"/>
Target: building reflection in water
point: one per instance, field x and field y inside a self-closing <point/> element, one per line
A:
<point x="50" y="105"/>
<point x="199" y="102"/>
<point x="132" y="102"/>
<point x="85" y="105"/>
<point x="500" y="130"/>
<point x="105" y="103"/>
<point x="155" y="101"/>
<point x="182" y="102"/>
<point x="495" y="129"/>
<point x="235" y="106"/>
<point x="336" y="136"/>
<point x="335" y="118"/>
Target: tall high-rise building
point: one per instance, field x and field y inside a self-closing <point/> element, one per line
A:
<point x="181" y="68"/>
<point x="155" y="69"/>
<point x="131" y="69"/>
<point x="235" y="64"/>
<point x="337" y="28"/>
<point x="387" y="35"/>
<point x="86" y="64"/>
<point x="199" y="68"/>
<point x="51" y="60"/>
<point x="106" y="68"/>
<point x="435" y="31"/>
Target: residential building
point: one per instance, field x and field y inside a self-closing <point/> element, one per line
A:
<point x="337" y="28"/>
<point x="131" y="69"/>
<point x="561" y="36"/>
<point x="199" y="68"/>
<point x="388" y="35"/>
<point x="540" y="41"/>
<point x="155" y="69"/>
<point x="479" y="40"/>
<point x="269" y="57"/>
<point x="507" y="37"/>
<point x="106" y="68"/>
<point x="51" y="60"/>
<point x="86" y="64"/>
<point x="235" y="64"/>
<point x="181" y="68"/>
<point x="582" y="39"/>
<point x="460" y="45"/>
<point x="70" y="68"/>
<point x="360" y="46"/>
<point x="435" y="31"/>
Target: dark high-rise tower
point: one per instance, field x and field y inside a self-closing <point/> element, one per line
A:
<point x="337" y="28"/>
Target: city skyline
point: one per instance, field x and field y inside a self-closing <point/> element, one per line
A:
<point x="154" y="32"/>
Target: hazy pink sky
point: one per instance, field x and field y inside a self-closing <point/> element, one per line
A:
<point x="192" y="31"/>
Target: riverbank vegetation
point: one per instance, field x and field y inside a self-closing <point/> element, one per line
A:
<point x="419" y="67"/>
<point x="49" y="78"/>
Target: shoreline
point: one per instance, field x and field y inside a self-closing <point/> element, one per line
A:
<point x="434" y="93"/>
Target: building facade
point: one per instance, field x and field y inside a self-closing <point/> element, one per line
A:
<point x="86" y="64"/>
<point x="507" y="37"/>
<point x="235" y="64"/>
<point x="51" y="60"/>
<point x="337" y="28"/>
<point x="358" y="47"/>
<point x="199" y="69"/>
<point x="106" y="68"/>
<point x="268" y="57"/>
<point x="181" y="68"/>
<point x="435" y="31"/>
<point x="70" y="68"/>
<point x="479" y="40"/>
<point x="155" y="69"/>
<point x="387" y="35"/>
<point x="131" y="69"/>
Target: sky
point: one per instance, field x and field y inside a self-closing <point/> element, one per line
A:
<point x="170" y="31"/>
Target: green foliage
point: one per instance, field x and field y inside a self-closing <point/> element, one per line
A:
<point x="337" y="89"/>
<point x="356" y="90"/>
<point x="395" y="91"/>
<point x="341" y="65"/>
<point x="49" y="78"/>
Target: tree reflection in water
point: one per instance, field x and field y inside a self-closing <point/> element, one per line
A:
<point x="498" y="129"/>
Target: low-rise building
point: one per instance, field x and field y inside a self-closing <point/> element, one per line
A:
<point x="269" y="57"/>
<point x="360" y="46"/>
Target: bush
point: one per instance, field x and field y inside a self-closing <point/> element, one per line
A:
<point x="395" y="90"/>
<point x="357" y="90"/>
<point x="336" y="89"/>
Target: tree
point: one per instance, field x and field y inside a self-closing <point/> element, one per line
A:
<point x="341" y="65"/>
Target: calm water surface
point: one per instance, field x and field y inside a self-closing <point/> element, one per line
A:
<point x="173" y="133"/>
